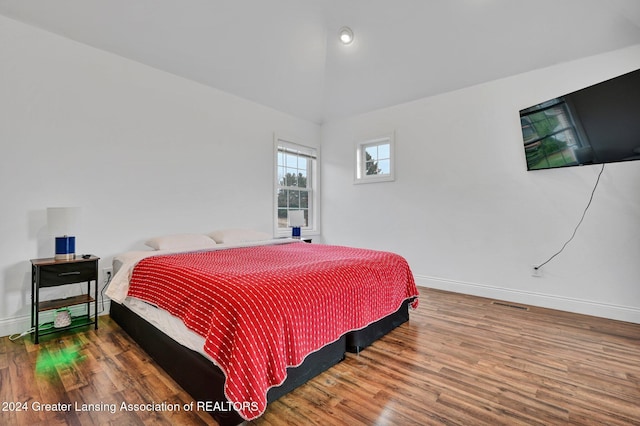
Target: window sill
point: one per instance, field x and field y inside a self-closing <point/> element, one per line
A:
<point x="375" y="179"/>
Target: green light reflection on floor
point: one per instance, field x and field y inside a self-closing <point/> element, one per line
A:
<point x="63" y="357"/>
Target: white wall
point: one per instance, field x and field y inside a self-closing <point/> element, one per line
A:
<point x="143" y="152"/>
<point x="469" y="217"/>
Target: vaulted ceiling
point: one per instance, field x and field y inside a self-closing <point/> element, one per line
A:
<point x="285" y="53"/>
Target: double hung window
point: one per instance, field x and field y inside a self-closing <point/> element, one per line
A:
<point x="296" y="185"/>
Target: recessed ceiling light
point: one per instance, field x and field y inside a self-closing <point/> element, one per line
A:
<point x="346" y="35"/>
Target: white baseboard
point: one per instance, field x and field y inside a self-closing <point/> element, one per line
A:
<point x="17" y="325"/>
<point x="587" y="307"/>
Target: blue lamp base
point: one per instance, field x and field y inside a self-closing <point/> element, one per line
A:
<point x="295" y="232"/>
<point x="65" y="248"/>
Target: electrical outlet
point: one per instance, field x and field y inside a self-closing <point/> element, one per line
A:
<point x="107" y="274"/>
<point x="536" y="272"/>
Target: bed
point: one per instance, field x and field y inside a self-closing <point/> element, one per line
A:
<point x="252" y="321"/>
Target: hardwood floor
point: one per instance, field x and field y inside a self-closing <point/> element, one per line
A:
<point x="461" y="360"/>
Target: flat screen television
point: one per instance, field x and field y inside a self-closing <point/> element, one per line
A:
<point x="595" y="125"/>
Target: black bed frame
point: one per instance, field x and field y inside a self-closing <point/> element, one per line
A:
<point x="204" y="381"/>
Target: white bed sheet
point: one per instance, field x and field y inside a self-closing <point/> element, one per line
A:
<point x="168" y="324"/>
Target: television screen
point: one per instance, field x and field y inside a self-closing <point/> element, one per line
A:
<point x="595" y="125"/>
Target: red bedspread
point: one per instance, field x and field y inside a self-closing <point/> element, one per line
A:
<point x="264" y="308"/>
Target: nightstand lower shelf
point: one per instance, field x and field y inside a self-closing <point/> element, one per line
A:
<point x="79" y="321"/>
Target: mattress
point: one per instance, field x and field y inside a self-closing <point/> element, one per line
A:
<point x="168" y="324"/>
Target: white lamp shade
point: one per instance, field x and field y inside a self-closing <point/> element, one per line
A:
<point x="296" y="218"/>
<point x="63" y="220"/>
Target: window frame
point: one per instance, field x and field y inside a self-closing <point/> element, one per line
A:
<point x="360" y="175"/>
<point x="313" y="185"/>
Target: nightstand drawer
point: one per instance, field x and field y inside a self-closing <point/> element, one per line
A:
<point x="67" y="273"/>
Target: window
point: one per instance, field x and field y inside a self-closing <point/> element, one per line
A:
<point x="296" y="186"/>
<point x="374" y="160"/>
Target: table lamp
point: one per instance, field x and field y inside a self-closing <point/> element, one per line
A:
<point x="296" y="220"/>
<point x="62" y="222"/>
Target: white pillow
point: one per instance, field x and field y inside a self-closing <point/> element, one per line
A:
<point x="180" y="241"/>
<point x="238" y="235"/>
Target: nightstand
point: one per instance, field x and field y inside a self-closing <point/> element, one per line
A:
<point x="50" y="272"/>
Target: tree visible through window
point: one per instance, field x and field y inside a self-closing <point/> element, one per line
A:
<point x="377" y="159"/>
<point x="295" y="184"/>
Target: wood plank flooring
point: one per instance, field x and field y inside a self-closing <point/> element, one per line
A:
<point x="460" y="360"/>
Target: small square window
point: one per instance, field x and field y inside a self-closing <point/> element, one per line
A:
<point x="374" y="160"/>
